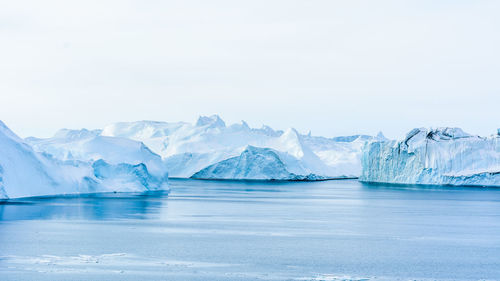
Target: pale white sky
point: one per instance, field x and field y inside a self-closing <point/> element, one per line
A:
<point x="333" y="67"/>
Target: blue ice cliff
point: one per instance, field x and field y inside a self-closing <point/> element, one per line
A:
<point x="446" y="156"/>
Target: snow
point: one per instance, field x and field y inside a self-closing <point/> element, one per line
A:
<point x="189" y="148"/>
<point x="434" y="156"/>
<point x="25" y="172"/>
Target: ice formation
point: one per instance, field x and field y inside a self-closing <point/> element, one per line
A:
<point x="90" y="146"/>
<point x="253" y="163"/>
<point x="25" y="172"/>
<point x="189" y="149"/>
<point x="140" y="155"/>
<point x="434" y="156"/>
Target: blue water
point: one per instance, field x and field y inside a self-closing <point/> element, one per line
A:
<point x="212" y="230"/>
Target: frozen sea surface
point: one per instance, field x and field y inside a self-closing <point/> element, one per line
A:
<point x="222" y="230"/>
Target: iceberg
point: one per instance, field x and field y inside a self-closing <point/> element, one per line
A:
<point x="25" y="172"/>
<point x="128" y="176"/>
<point x="253" y="163"/>
<point x="90" y="146"/>
<point x="444" y="156"/>
<point x="188" y="149"/>
<point x="205" y="148"/>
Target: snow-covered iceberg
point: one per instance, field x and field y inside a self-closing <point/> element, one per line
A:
<point x="194" y="149"/>
<point x="446" y="156"/>
<point x="25" y="172"/>
<point x="90" y="146"/>
<point x="253" y="163"/>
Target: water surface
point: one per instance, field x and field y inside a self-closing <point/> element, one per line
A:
<point x="220" y="230"/>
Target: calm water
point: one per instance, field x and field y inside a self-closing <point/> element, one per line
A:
<point x="209" y="230"/>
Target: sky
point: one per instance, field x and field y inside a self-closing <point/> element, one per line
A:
<point x="329" y="67"/>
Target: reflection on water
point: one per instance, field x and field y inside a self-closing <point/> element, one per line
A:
<point x="87" y="206"/>
<point x="227" y="230"/>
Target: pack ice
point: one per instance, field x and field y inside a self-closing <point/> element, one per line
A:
<point x="446" y="156"/>
<point x="26" y="172"/>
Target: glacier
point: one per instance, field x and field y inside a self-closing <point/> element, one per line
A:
<point x="443" y="156"/>
<point x="25" y="172"/>
<point x="188" y="149"/>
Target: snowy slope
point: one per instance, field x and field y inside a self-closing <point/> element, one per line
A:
<point x="435" y="156"/>
<point x="24" y="172"/>
<point x="189" y="148"/>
